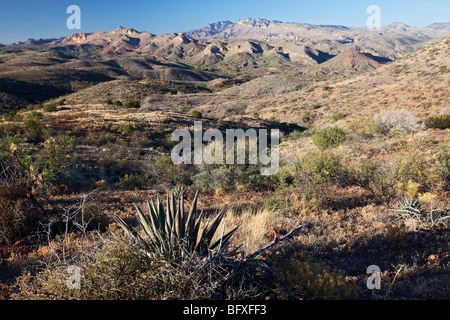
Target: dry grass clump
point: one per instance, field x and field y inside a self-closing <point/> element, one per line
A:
<point x="255" y="226"/>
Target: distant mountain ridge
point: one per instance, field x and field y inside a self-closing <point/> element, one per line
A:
<point x="37" y="70"/>
<point x="264" y="29"/>
<point x="392" y="41"/>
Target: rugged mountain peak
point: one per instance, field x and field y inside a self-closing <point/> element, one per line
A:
<point x="257" y="23"/>
<point x="77" y="38"/>
<point x="122" y="30"/>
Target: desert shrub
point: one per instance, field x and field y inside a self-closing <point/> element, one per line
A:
<point x="164" y="259"/>
<point x="217" y="178"/>
<point x="39" y="169"/>
<point x="34" y="115"/>
<point x="52" y="107"/>
<point x="317" y="168"/>
<point x="20" y="214"/>
<point x="91" y="218"/>
<point x="377" y="176"/>
<point x="403" y="174"/>
<point x="163" y="172"/>
<point x="182" y="109"/>
<point x="196" y="114"/>
<point x="441" y="122"/>
<point x="132" y="181"/>
<point x="132" y="104"/>
<point x="362" y="128"/>
<point x="328" y="138"/>
<point x="10" y="116"/>
<point x="420" y="170"/>
<point x="396" y="237"/>
<point x="338" y="116"/>
<point x="315" y="106"/>
<point x="34" y="126"/>
<point x="392" y="122"/>
<point x="444" y="110"/>
<point x="117" y="103"/>
<point x="35" y="130"/>
<point x="296" y="135"/>
<point x="310" y="280"/>
<point x="107" y="101"/>
<point x="127" y="129"/>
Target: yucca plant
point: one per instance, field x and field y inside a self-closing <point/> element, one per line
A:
<point x="171" y="231"/>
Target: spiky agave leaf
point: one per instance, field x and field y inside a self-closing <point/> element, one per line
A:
<point x="172" y="232"/>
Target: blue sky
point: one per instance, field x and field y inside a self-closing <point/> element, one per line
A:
<point x="24" y="19"/>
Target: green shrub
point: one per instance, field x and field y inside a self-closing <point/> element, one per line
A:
<point x="35" y="129"/>
<point x="319" y="167"/>
<point x="52" y="107"/>
<point x="296" y="135"/>
<point x="117" y="103"/>
<point x="315" y="106"/>
<point x="132" y="181"/>
<point x="338" y="116"/>
<point x="10" y="116"/>
<point x="107" y="101"/>
<point x="127" y="129"/>
<point x="35" y="115"/>
<point x="132" y="105"/>
<point x="196" y="114"/>
<point x="441" y="122"/>
<point x="377" y="176"/>
<point x="328" y="138"/>
<point x="182" y="109"/>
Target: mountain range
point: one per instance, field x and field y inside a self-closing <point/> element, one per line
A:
<point x="38" y="70"/>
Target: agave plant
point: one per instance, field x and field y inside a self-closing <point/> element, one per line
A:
<point x="171" y="231"/>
